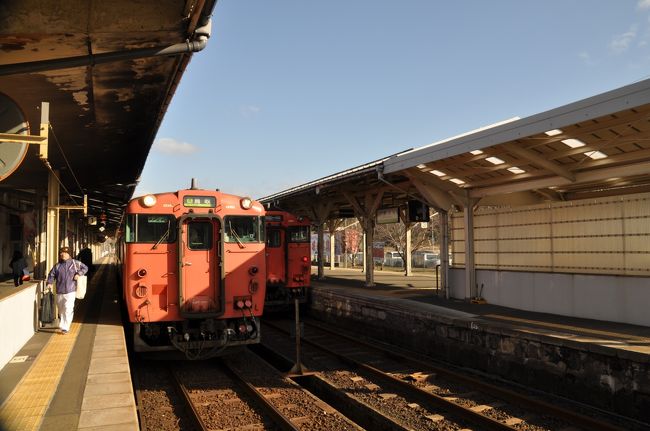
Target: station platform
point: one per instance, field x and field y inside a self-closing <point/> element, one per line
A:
<point x="75" y="381"/>
<point x="605" y="364"/>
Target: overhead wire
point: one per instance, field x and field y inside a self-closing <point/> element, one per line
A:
<point x="49" y="166"/>
<point x="66" y="162"/>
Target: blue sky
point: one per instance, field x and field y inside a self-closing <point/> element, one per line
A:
<point x="288" y="91"/>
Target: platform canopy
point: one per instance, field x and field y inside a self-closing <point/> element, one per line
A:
<point x="109" y="70"/>
<point x="599" y="146"/>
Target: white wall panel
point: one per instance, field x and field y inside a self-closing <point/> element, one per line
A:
<point x="590" y="296"/>
<point x="17" y="315"/>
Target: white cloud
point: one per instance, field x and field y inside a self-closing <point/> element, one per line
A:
<point x="643" y="4"/>
<point x="621" y="43"/>
<point x="172" y="146"/>
<point x="584" y="56"/>
<point x="249" y="110"/>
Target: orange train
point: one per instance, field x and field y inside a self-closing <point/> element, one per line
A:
<point x="288" y="264"/>
<point x="194" y="271"/>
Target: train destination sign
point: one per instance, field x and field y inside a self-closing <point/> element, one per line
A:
<point x="199" y="201"/>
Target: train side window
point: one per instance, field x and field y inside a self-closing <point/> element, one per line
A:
<point x="199" y="235"/>
<point x="273" y="238"/>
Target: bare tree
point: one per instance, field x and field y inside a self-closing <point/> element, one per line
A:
<point x="394" y="235"/>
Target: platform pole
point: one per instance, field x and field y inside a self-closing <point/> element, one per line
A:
<point x="298" y="368"/>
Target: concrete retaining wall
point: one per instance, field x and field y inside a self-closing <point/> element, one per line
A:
<point x="615" y="380"/>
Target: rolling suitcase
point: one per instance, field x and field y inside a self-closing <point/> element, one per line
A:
<point x="47" y="307"/>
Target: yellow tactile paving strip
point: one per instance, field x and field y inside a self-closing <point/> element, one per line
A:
<point x="571" y="328"/>
<point x="25" y="408"/>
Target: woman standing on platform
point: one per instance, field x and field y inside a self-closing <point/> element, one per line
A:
<point x="65" y="273"/>
<point x="17" y="265"/>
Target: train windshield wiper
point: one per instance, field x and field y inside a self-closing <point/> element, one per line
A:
<point x="237" y="237"/>
<point x="163" y="237"/>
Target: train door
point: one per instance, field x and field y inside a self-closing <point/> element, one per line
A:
<point x="200" y="268"/>
<point x="275" y="255"/>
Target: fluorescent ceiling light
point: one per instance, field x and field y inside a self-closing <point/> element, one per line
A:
<point x="516" y="170"/>
<point x="476" y="152"/>
<point x="596" y="155"/>
<point x="437" y="173"/>
<point x="573" y="143"/>
<point x="422" y="166"/>
<point x="554" y="132"/>
<point x="457" y="181"/>
<point x="495" y="160"/>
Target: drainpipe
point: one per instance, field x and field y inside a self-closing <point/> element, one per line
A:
<point x="201" y="36"/>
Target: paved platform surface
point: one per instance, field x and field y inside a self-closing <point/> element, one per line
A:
<point x="80" y="380"/>
<point x="420" y="288"/>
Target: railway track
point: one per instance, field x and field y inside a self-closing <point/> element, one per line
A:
<point x="352" y="385"/>
<point x="240" y="392"/>
<point x="442" y="396"/>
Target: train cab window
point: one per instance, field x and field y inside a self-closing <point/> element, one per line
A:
<point x="199" y="236"/>
<point x="150" y="228"/>
<point x="299" y="234"/>
<point x="273" y="238"/>
<point x="242" y="229"/>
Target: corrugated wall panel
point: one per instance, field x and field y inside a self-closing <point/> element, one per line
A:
<point x="607" y="235"/>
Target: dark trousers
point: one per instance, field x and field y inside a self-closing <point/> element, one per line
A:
<point x="18" y="280"/>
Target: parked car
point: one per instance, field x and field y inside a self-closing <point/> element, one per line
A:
<point x="431" y="260"/>
<point x="393" y="258"/>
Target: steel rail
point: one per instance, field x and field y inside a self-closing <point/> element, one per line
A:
<point x="135" y="373"/>
<point x="279" y="419"/>
<point x="188" y="400"/>
<point x="483" y="421"/>
<point x="542" y="407"/>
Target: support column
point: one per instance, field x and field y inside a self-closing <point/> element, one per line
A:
<point x="364" y="253"/>
<point x="332" y="226"/>
<point x="470" y="270"/>
<point x="444" y="251"/>
<point x="52" y="228"/>
<point x="321" y="254"/>
<point x="332" y="249"/>
<point x="407" y="252"/>
<point x="366" y="216"/>
<point x="320" y="213"/>
<point x="40" y="241"/>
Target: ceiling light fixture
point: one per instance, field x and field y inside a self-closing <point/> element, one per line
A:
<point x="495" y="160"/>
<point x="573" y="143"/>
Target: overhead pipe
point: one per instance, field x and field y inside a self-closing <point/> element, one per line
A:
<point x="201" y="35"/>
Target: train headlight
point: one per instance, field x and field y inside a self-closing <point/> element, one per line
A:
<point x="246" y="203"/>
<point x="149" y="201"/>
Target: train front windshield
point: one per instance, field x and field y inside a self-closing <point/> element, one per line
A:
<point x="150" y="228"/>
<point x="243" y="229"/>
<point x="299" y="234"/>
